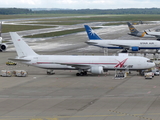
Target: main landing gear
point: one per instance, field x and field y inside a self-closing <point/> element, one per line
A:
<point x="124" y="51"/>
<point x="50" y="72"/>
<point x="82" y="73"/>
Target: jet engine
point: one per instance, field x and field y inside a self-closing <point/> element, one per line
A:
<point x="3" y="47"/>
<point x="134" y="48"/>
<point x="97" y="70"/>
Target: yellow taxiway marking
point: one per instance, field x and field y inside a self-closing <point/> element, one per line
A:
<point x="133" y="115"/>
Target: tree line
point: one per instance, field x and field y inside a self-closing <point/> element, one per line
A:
<point x="10" y="11"/>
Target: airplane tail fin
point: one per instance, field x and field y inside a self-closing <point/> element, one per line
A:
<point x="91" y="34"/>
<point x="22" y="49"/>
<point x="132" y="29"/>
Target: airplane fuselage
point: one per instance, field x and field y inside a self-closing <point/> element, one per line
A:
<point x="120" y="44"/>
<point x="86" y="62"/>
<point x="141" y="34"/>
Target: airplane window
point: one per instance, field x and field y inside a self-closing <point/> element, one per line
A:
<point x="150" y="61"/>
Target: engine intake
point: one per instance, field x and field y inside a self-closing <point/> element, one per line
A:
<point x="3" y="47"/>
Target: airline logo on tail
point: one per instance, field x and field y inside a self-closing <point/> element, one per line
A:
<point x="91" y="34"/>
<point x="121" y="64"/>
<point x="132" y="28"/>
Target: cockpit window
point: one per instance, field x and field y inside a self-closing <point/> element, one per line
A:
<point x="150" y="61"/>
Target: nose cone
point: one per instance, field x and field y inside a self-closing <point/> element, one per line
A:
<point x="152" y="65"/>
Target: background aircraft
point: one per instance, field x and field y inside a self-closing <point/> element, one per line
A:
<point x="135" y="32"/>
<point x="154" y="34"/>
<point x="131" y="45"/>
<point x="3" y="46"/>
<point x="84" y="64"/>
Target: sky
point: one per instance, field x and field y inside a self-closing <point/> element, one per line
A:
<point x="80" y="4"/>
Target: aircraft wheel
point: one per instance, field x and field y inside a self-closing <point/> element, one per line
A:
<point x="77" y="74"/>
<point x="82" y="73"/>
<point x="85" y="73"/>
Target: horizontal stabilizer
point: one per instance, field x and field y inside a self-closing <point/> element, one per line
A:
<point x="20" y="60"/>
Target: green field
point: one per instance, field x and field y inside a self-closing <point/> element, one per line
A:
<point x="107" y="18"/>
<point x="14" y="28"/>
<point x="53" y="34"/>
<point x="19" y="16"/>
<point x="58" y="33"/>
<point x="98" y="18"/>
<point x="72" y="20"/>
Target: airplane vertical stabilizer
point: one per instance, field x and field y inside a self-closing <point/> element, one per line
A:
<point x="91" y="34"/>
<point x="22" y="49"/>
<point x="132" y="29"/>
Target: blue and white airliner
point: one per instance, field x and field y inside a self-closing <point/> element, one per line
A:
<point x="126" y="45"/>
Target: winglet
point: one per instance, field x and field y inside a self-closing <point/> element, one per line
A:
<point x="91" y="34"/>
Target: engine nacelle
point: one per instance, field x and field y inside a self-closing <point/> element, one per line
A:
<point x="134" y="48"/>
<point x="3" y="47"/>
<point x="97" y="70"/>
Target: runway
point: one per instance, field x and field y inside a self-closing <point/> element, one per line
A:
<point x="64" y="96"/>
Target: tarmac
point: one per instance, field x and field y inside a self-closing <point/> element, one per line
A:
<point x="64" y="96"/>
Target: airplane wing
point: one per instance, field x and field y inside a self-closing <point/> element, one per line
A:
<point x="156" y="34"/>
<point x="120" y="45"/>
<point x="78" y="66"/>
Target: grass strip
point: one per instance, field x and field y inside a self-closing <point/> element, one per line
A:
<point x="58" y="33"/>
<point x="14" y="28"/>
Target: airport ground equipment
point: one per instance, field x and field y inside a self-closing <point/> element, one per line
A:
<point x="11" y="63"/>
<point x="16" y="73"/>
<point x="6" y="73"/>
<point x="155" y="71"/>
<point x="20" y="73"/>
<point x="120" y="74"/>
<point x="148" y="75"/>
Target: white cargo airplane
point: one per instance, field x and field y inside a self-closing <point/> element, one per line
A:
<point x="3" y="46"/>
<point x="84" y="64"/>
<point x="131" y="45"/>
